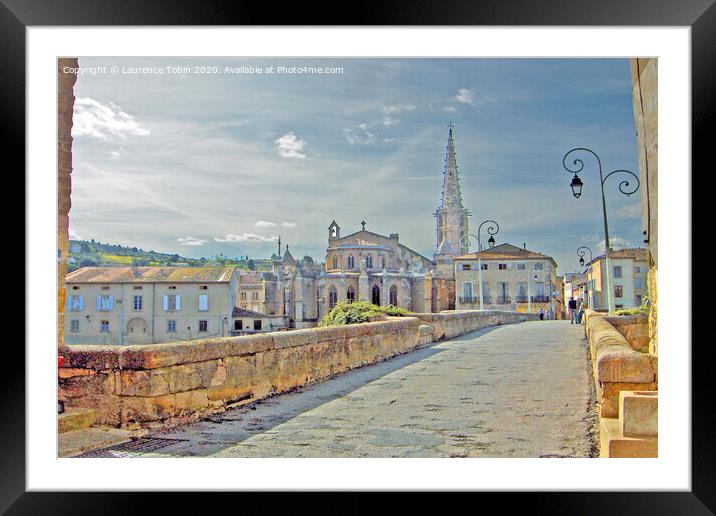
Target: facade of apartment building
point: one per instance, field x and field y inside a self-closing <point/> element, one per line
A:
<point x="145" y="305"/>
<point x="513" y="278"/>
<point x="629" y="268"/>
<point x="574" y="286"/>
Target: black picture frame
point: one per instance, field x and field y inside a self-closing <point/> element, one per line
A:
<point x="17" y="15"/>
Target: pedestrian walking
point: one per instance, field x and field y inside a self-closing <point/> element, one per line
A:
<point x="541" y="314"/>
<point x="572" y="310"/>
<point x="580" y="313"/>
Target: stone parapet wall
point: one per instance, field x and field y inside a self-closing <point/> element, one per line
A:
<point x="166" y="384"/>
<point x="634" y="328"/>
<point x="449" y="324"/>
<point x="616" y="365"/>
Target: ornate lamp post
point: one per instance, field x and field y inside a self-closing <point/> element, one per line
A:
<point x="492" y="229"/>
<point x="581" y="252"/>
<point x="574" y="167"/>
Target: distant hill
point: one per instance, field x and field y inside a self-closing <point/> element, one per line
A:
<point x="91" y="253"/>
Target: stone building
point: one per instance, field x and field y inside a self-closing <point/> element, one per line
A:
<point x="451" y="216"/>
<point x="629" y="279"/>
<point x="513" y="278"/>
<point x="574" y="285"/>
<point x="146" y="305"/>
<point x="376" y="268"/>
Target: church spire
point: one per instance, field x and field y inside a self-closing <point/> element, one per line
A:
<point x="451" y="215"/>
<point x="451" y="179"/>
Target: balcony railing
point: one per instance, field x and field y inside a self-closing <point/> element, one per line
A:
<point x="521" y="299"/>
<point x="503" y="300"/>
<point x="540" y="299"/>
<point x="486" y="300"/>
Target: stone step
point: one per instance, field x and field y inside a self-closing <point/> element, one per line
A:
<point x="614" y="444"/>
<point x="83" y="440"/>
<point x="75" y="418"/>
<point x="639" y="413"/>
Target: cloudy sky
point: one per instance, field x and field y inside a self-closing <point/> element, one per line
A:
<point x="202" y="163"/>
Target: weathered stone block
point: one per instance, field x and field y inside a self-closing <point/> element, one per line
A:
<point x="90" y="357"/>
<point x="624" y="366"/>
<point x="639" y="413"/>
<point x="613" y="444"/>
<point x="609" y="395"/>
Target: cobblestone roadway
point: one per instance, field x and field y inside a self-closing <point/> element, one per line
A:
<point x="521" y="390"/>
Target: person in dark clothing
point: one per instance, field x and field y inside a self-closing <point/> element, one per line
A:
<point x="572" y="310"/>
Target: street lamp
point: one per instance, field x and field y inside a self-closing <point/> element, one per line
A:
<point x="492" y="229"/>
<point x="581" y="252"/>
<point x="576" y="166"/>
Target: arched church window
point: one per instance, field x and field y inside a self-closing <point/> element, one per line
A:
<point x="332" y="297"/>
<point x="375" y="295"/>
<point x="350" y="294"/>
<point x="335" y="262"/>
<point x="394" y="295"/>
<point x="350" y="261"/>
<point x="369" y="261"/>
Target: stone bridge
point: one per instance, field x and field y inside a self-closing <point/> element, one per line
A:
<point x="484" y="388"/>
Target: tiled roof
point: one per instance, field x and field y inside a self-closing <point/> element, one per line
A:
<point x="637" y="253"/>
<point x="243" y="312"/>
<point x="150" y="275"/>
<point x="505" y="252"/>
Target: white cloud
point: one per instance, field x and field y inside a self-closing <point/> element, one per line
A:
<point x="290" y="146"/>
<point x="466" y="96"/>
<point x="191" y="241"/>
<point x="264" y="224"/>
<point x="288" y="224"/>
<point x="450" y="109"/>
<point x="246" y="237"/>
<point x="390" y="120"/>
<point x="359" y="135"/>
<point x="398" y="108"/>
<point x="97" y="120"/>
<point x="615" y="242"/>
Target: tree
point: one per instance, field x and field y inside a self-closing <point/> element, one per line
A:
<point x="251" y="265"/>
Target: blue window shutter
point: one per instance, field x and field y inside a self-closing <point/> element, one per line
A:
<point x="178" y="298"/>
<point x="99" y="303"/>
<point x="166" y="303"/>
<point x="68" y="304"/>
<point x="82" y="303"/>
<point x="109" y="304"/>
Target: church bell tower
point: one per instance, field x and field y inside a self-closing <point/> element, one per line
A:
<point x="451" y="216"/>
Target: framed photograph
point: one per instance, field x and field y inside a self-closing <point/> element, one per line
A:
<point x="417" y="251"/>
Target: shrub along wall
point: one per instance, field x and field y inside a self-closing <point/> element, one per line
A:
<point x="167" y="384"/>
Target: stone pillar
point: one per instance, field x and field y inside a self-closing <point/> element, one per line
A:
<point x="298" y="297"/>
<point x="644" y="77"/>
<point x="65" y="109"/>
<point x="363" y="283"/>
<point x="428" y="292"/>
<point x="342" y="288"/>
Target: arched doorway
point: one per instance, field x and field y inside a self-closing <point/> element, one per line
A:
<point x="375" y="295"/>
<point x="137" y="331"/>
